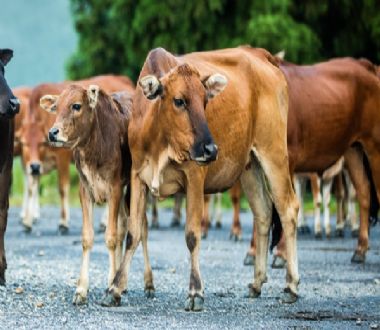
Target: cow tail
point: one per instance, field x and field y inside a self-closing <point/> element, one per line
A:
<point x="276" y="228"/>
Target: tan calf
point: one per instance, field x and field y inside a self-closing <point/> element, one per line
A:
<point x="94" y="126"/>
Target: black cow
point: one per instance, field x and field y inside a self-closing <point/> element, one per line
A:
<point x="9" y="106"/>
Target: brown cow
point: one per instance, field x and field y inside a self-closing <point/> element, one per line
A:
<point x="176" y="118"/>
<point x="9" y="106"/>
<point x="40" y="158"/>
<point x="95" y="127"/>
<point x="334" y="112"/>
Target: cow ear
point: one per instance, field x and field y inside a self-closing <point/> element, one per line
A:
<point x="214" y="84"/>
<point x="6" y="55"/>
<point x="151" y="86"/>
<point x="49" y="103"/>
<point x="93" y="93"/>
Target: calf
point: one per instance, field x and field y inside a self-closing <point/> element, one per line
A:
<point x="95" y="127"/>
<point x="40" y="158"/>
<point x="9" y="106"/>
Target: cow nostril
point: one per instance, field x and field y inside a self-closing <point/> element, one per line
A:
<point x="35" y="168"/>
<point x="210" y="149"/>
<point x="53" y="134"/>
<point x="15" y="104"/>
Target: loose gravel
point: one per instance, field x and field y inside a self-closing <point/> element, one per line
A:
<point x="43" y="268"/>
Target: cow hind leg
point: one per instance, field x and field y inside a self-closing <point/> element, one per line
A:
<point x="235" y="194"/>
<point x="326" y="197"/>
<point x="279" y="185"/>
<point x="339" y="195"/>
<point x="317" y="199"/>
<point x="254" y="185"/>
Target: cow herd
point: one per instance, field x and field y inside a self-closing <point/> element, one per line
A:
<point x="196" y="125"/>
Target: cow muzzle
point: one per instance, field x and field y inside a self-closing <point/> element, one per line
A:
<point x="35" y="169"/>
<point x="14" y="106"/>
<point x="208" y="153"/>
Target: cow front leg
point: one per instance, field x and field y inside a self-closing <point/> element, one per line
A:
<point x="63" y="167"/>
<point x="194" y="213"/>
<point x="32" y="190"/>
<point x="133" y="237"/>
<point x="3" y="226"/>
<point x="80" y="296"/>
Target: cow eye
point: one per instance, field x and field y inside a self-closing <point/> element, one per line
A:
<point x="179" y="103"/>
<point x="76" y="106"/>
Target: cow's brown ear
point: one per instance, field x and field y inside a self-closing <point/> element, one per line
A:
<point x="151" y="86"/>
<point x="6" y="55"/>
<point x="214" y="84"/>
<point x="93" y="93"/>
<point x="49" y="103"/>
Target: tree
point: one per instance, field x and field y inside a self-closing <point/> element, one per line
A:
<point x="116" y="35"/>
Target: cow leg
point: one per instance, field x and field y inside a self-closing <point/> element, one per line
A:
<point x="5" y="182"/>
<point x="317" y="199"/>
<point x="133" y="237"/>
<point x="36" y="203"/>
<point x="249" y="259"/>
<point x="25" y="197"/>
<point x="206" y="216"/>
<point x="235" y="194"/>
<point x="63" y="168"/>
<point x="103" y="220"/>
<point x="194" y="212"/>
<point x="254" y="186"/>
<point x="111" y="230"/>
<point x="280" y="187"/>
<point x="298" y="183"/>
<point x="326" y="197"/>
<point x="148" y="275"/>
<point x="218" y="210"/>
<point x="351" y="206"/>
<point x="33" y="183"/>
<point x="122" y="221"/>
<point x="80" y="296"/>
<point x="339" y="195"/>
<point x="354" y="162"/>
<point x="176" y="221"/>
<point x="154" y="213"/>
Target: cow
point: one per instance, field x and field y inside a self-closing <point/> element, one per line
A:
<point x="40" y="158"/>
<point x="199" y="123"/>
<point x="334" y="112"/>
<point x="94" y="126"/>
<point x="9" y="107"/>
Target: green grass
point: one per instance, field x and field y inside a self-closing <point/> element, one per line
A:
<point x="49" y="194"/>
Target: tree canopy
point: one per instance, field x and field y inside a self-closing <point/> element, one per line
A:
<point x="116" y="35"/>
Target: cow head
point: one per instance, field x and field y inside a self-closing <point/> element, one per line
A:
<point x="9" y="104"/>
<point x="75" y="109"/>
<point x="34" y="146"/>
<point x="182" y="96"/>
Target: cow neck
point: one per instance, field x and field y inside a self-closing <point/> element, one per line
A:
<point x="103" y="139"/>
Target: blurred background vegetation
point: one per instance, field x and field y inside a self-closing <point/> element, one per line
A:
<point x="114" y="36"/>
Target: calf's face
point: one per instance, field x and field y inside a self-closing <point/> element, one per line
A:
<point x="75" y="114"/>
<point x="9" y="104"/>
<point x="182" y="96"/>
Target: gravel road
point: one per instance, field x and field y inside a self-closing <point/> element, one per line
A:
<point x="43" y="268"/>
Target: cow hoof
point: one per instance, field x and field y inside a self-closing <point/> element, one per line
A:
<point x="155" y="225"/>
<point x="194" y="303"/>
<point x="149" y="291"/>
<point x="289" y="297"/>
<point x="318" y="235"/>
<point x="102" y="228"/>
<point x="355" y="233"/>
<point x="303" y="230"/>
<point x="79" y="300"/>
<point x="27" y="228"/>
<point x="358" y="258"/>
<point x="218" y="225"/>
<point x="109" y="300"/>
<point x="278" y="262"/>
<point x="63" y="230"/>
<point x="249" y="260"/>
<point x="339" y="233"/>
<point x="175" y="223"/>
<point x="253" y="292"/>
<point x="235" y="237"/>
